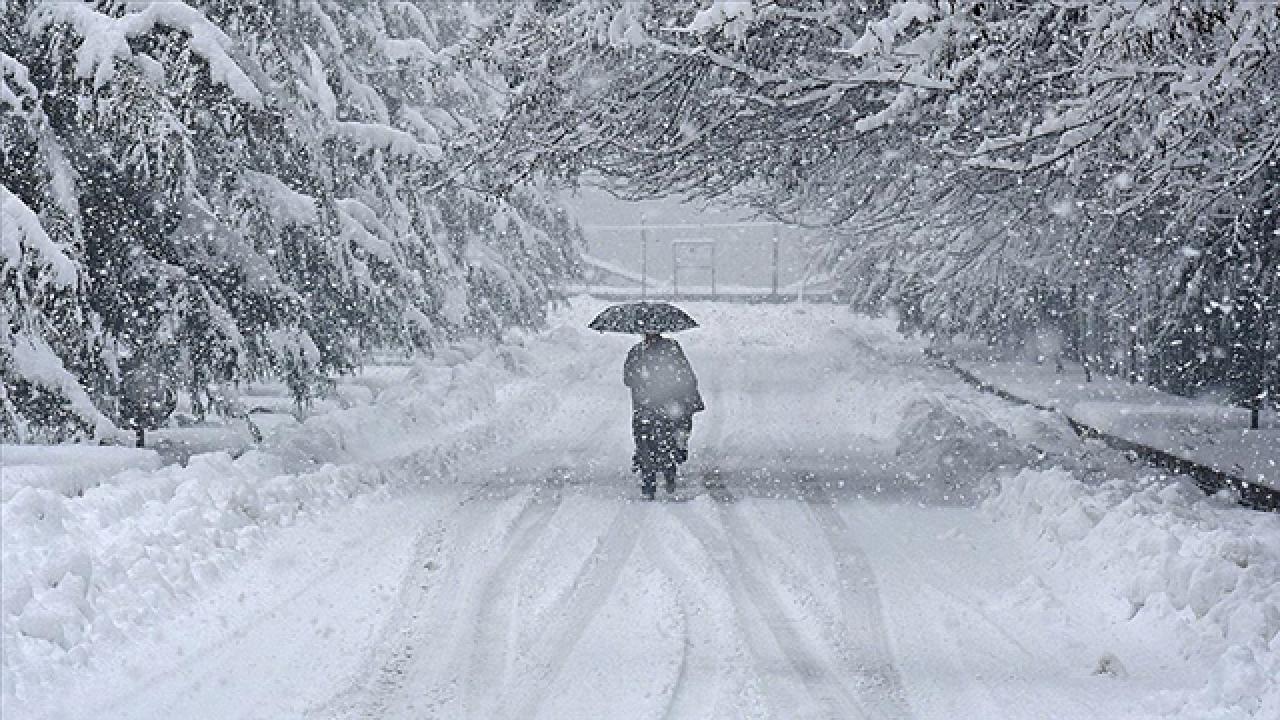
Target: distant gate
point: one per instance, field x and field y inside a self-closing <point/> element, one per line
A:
<point x="695" y="257"/>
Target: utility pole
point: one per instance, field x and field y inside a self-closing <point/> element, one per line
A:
<point x="675" y="270"/>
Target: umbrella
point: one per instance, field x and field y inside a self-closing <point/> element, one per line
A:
<point x="642" y="317"/>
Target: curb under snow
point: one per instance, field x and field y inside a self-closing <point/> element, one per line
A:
<point x="1210" y="480"/>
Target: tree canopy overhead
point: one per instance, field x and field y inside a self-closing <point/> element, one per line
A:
<point x="236" y="189"/>
<point x="989" y="168"/>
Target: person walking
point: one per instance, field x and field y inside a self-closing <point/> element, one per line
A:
<point x="664" y="398"/>
<point x="664" y="388"/>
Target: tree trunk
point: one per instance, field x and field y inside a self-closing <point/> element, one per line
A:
<point x="1262" y="380"/>
<point x="1084" y="341"/>
<point x="1133" y="353"/>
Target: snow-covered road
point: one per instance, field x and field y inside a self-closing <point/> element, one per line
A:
<point x="827" y="556"/>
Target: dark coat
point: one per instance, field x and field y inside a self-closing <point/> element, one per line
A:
<point x="664" y="397"/>
<point x="661" y="379"/>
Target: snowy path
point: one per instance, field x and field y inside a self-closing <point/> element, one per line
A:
<point x="791" y="577"/>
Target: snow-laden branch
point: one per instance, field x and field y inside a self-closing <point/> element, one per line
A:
<point x="369" y="136"/>
<point x="104" y="40"/>
<point x="23" y="235"/>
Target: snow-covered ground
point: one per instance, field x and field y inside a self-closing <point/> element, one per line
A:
<point x="858" y="534"/>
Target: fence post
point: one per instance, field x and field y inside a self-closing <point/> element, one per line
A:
<point x="644" y="259"/>
<point x="808" y="268"/>
<point x="774" y="284"/>
<point x="675" y="270"/>
<point x="713" y="270"/>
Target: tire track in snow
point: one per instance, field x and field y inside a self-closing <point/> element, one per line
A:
<point x="858" y="640"/>
<point x="596" y="580"/>
<point x="781" y="655"/>
<point x="713" y="653"/>
<point x="862" y="645"/>
<point x="429" y="647"/>
<point x="435" y="604"/>
<point x="680" y="696"/>
<point x="493" y="620"/>
<point x="825" y="678"/>
<point x="384" y="669"/>
<point x="715" y="549"/>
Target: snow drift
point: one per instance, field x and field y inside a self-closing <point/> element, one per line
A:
<point x="1164" y="559"/>
<point x="95" y="550"/>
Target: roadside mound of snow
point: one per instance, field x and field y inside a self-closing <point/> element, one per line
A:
<point x="1164" y="560"/>
<point x="67" y="469"/>
<point x="103" y="562"/>
<point x="951" y="447"/>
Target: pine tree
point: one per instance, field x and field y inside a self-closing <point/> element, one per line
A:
<point x="251" y="190"/>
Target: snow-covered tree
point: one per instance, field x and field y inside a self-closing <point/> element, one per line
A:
<point x="991" y="167"/>
<point x="42" y="274"/>
<point x="252" y="189"/>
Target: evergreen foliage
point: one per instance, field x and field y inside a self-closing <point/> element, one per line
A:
<point x="226" y="191"/>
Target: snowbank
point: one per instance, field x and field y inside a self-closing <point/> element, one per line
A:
<point x="1167" y="562"/>
<point x="945" y="442"/>
<point x="68" y="470"/>
<point x="96" y="556"/>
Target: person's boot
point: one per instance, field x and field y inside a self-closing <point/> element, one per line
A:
<point x="671" y="480"/>
<point x="648" y="486"/>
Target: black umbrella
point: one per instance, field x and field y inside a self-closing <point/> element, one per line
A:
<point x="642" y="317"/>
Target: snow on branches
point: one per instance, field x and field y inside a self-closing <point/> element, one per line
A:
<point x="221" y="192"/>
<point x="105" y="40"/>
<point x="1108" y="168"/>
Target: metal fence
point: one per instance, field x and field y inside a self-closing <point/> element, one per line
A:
<point x="740" y="259"/>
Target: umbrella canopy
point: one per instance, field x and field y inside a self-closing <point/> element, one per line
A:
<point x="642" y="317"/>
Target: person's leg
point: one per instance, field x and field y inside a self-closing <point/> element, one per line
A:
<point x="642" y="434"/>
<point x="648" y="484"/>
<point x="684" y="428"/>
<point x="646" y="456"/>
<point x="666" y="445"/>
